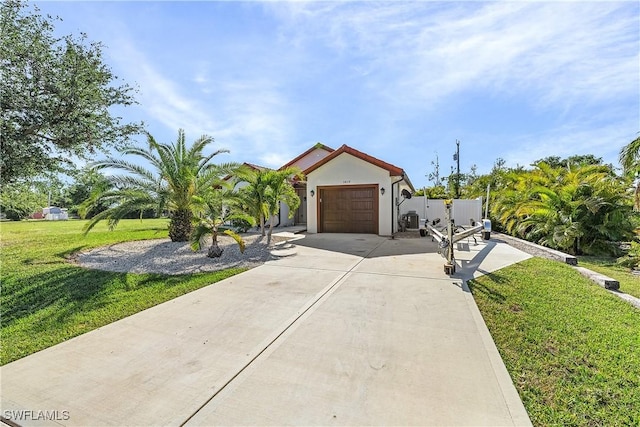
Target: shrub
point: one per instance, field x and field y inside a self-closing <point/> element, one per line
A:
<point x="632" y="259"/>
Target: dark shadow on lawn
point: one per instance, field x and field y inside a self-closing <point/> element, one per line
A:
<point x="488" y="289"/>
<point x="28" y="295"/>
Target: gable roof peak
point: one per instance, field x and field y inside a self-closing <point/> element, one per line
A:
<point x="392" y="169"/>
<point x="317" y="146"/>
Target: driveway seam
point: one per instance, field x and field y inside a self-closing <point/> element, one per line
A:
<point x="446" y="279"/>
<point x="300" y="314"/>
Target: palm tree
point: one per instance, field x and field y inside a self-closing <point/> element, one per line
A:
<point x="179" y="176"/>
<point x="265" y="190"/>
<point x="630" y="160"/>
<point x="581" y="209"/>
<point x="252" y="198"/>
<point x="218" y="210"/>
<point x="281" y="190"/>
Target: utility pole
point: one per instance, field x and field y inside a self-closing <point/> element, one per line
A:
<point x="456" y="157"/>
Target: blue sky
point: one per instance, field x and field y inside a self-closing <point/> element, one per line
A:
<point x="398" y="80"/>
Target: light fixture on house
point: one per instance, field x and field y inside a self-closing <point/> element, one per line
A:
<point x="313" y="193"/>
<point x="382" y="190"/>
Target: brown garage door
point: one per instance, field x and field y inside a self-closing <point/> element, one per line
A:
<point x="350" y="209"/>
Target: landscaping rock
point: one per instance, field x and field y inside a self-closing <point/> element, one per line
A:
<point x="162" y="256"/>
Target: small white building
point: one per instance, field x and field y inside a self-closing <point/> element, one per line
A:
<point x="54" y="213"/>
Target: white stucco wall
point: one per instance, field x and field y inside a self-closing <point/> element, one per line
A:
<point x="349" y="170"/>
<point x="284" y="215"/>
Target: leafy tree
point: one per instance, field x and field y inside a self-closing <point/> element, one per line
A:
<point x="464" y="180"/>
<point x="20" y="199"/>
<point x="86" y="182"/>
<point x="217" y="203"/>
<point x="56" y="95"/>
<point x="435" y="192"/>
<point x="575" y="160"/>
<point x="630" y="160"/>
<point x="180" y="177"/>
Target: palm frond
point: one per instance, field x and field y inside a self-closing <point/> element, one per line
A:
<point x="237" y="238"/>
<point x="630" y="156"/>
<point x="201" y="230"/>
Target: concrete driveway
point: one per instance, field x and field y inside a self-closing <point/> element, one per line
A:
<point x="340" y="330"/>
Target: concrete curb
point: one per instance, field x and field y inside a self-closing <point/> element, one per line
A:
<point x="600" y="279"/>
<point x="537" y="250"/>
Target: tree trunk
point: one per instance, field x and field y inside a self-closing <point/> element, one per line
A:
<point x="270" y="231"/>
<point x="180" y="226"/>
<point x="215" y="251"/>
<point x="262" y="224"/>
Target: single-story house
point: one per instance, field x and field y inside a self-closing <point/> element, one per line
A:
<point x="349" y="191"/>
<point x="346" y="191"/>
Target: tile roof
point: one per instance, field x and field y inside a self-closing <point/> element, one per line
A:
<point x="250" y="165"/>
<point x="393" y="170"/>
<point x="315" y="147"/>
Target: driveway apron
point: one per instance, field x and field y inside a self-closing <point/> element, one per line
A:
<point x="339" y="330"/>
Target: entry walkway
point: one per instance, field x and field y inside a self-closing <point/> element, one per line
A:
<point x="340" y="330"/>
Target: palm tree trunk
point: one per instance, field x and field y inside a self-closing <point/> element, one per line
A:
<point x="215" y="251"/>
<point x="270" y="231"/>
<point x="180" y="226"/>
<point x="262" y="224"/>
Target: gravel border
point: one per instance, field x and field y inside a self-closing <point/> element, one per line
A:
<point x="162" y="256"/>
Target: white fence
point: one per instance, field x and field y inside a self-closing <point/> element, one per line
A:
<point x="463" y="209"/>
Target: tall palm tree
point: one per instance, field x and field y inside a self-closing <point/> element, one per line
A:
<point x="179" y="175"/>
<point x="630" y="161"/>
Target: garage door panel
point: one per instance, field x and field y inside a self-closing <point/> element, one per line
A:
<point x="361" y="205"/>
<point x="349" y="210"/>
<point x="362" y="216"/>
<point x="334" y="227"/>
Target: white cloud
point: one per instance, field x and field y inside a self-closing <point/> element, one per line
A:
<point x="161" y="97"/>
<point x="604" y="141"/>
<point x="247" y="116"/>
<point x="563" y="53"/>
<point x="524" y="79"/>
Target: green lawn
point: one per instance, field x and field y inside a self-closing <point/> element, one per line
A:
<point x="629" y="284"/>
<point x="572" y="348"/>
<point x="46" y="300"/>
